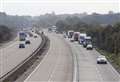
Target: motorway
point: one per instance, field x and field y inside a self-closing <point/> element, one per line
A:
<point x="56" y="65"/>
<point x="65" y="61"/>
<point x="88" y="69"/>
<point x="11" y="55"/>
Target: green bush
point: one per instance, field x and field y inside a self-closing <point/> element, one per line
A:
<point x="5" y="33"/>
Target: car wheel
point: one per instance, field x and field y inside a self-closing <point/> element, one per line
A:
<point x="105" y="62"/>
<point x="98" y="63"/>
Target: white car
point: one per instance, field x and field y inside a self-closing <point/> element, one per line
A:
<point x="89" y="47"/>
<point x="101" y="60"/>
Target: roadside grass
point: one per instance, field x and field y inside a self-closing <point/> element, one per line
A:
<point x="112" y="58"/>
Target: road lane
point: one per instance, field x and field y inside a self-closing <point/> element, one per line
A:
<point x="56" y="65"/>
<point x="11" y="56"/>
<point x="89" y="70"/>
<point x="6" y="44"/>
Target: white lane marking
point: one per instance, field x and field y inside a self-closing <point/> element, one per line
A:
<point x="76" y="65"/>
<point x="101" y="79"/>
<point x="51" y="75"/>
<point x="76" y="70"/>
<point x="109" y="64"/>
<point x="36" y="68"/>
<point x="1" y="62"/>
<point x="113" y="70"/>
<point x="98" y="71"/>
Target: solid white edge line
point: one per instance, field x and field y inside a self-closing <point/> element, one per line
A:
<point x="110" y="65"/>
<point x="75" y="69"/>
<point x="36" y="68"/>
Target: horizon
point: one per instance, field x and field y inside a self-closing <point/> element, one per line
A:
<point x="84" y="13"/>
<point x="39" y="7"/>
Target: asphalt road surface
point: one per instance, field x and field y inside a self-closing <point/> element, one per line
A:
<point x="56" y="65"/>
<point x="11" y="55"/>
<point x="88" y="69"/>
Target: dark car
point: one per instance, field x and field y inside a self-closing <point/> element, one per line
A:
<point x="27" y="42"/>
<point x="21" y="45"/>
<point x="84" y="44"/>
<point x="35" y="36"/>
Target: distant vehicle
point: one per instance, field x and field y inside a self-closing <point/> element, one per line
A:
<point x="49" y="30"/>
<point x="21" y="45"/>
<point x="89" y="47"/>
<point x="64" y="35"/>
<point x="88" y="40"/>
<point x="27" y="42"/>
<point x="76" y="36"/>
<point x="22" y="36"/>
<point x="30" y="34"/>
<point x="101" y="60"/>
<point x="35" y="36"/>
<point x="70" y="34"/>
<point x="53" y="29"/>
<point x="82" y="37"/>
<point x="57" y="32"/>
<point x="42" y="32"/>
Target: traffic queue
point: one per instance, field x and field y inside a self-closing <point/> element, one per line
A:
<point x="81" y="38"/>
<point x="86" y="42"/>
<point x="24" y="38"/>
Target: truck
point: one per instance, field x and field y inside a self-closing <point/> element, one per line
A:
<point x="70" y="34"/>
<point x="88" y="40"/>
<point x="82" y="38"/>
<point x="22" y="36"/>
<point x="76" y="36"/>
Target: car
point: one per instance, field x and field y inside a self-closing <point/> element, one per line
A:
<point x="84" y="44"/>
<point x="101" y="60"/>
<point x="27" y="42"/>
<point x="64" y="36"/>
<point x="35" y="36"/>
<point x="89" y="47"/>
<point x="71" y="40"/>
<point x="21" y="45"/>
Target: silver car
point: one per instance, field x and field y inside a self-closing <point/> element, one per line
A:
<point x="101" y="60"/>
<point x="89" y="47"/>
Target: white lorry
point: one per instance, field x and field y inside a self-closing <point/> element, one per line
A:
<point x="70" y="34"/>
<point x="82" y="38"/>
<point x="76" y="36"/>
<point x="22" y="36"/>
<point x="88" y="40"/>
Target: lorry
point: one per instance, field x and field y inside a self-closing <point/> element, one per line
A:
<point x="70" y="34"/>
<point x="87" y="41"/>
<point x="76" y="36"/>
<point x="82" y="38"/>
<point x="22" y="36"/>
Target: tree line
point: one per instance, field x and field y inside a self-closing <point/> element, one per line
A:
<point x="107" y="38"/>
<point x="5" y="33"/>
<point x="104" y="37"/>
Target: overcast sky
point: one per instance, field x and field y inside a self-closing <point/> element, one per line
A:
<point x="38" y="7"/>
